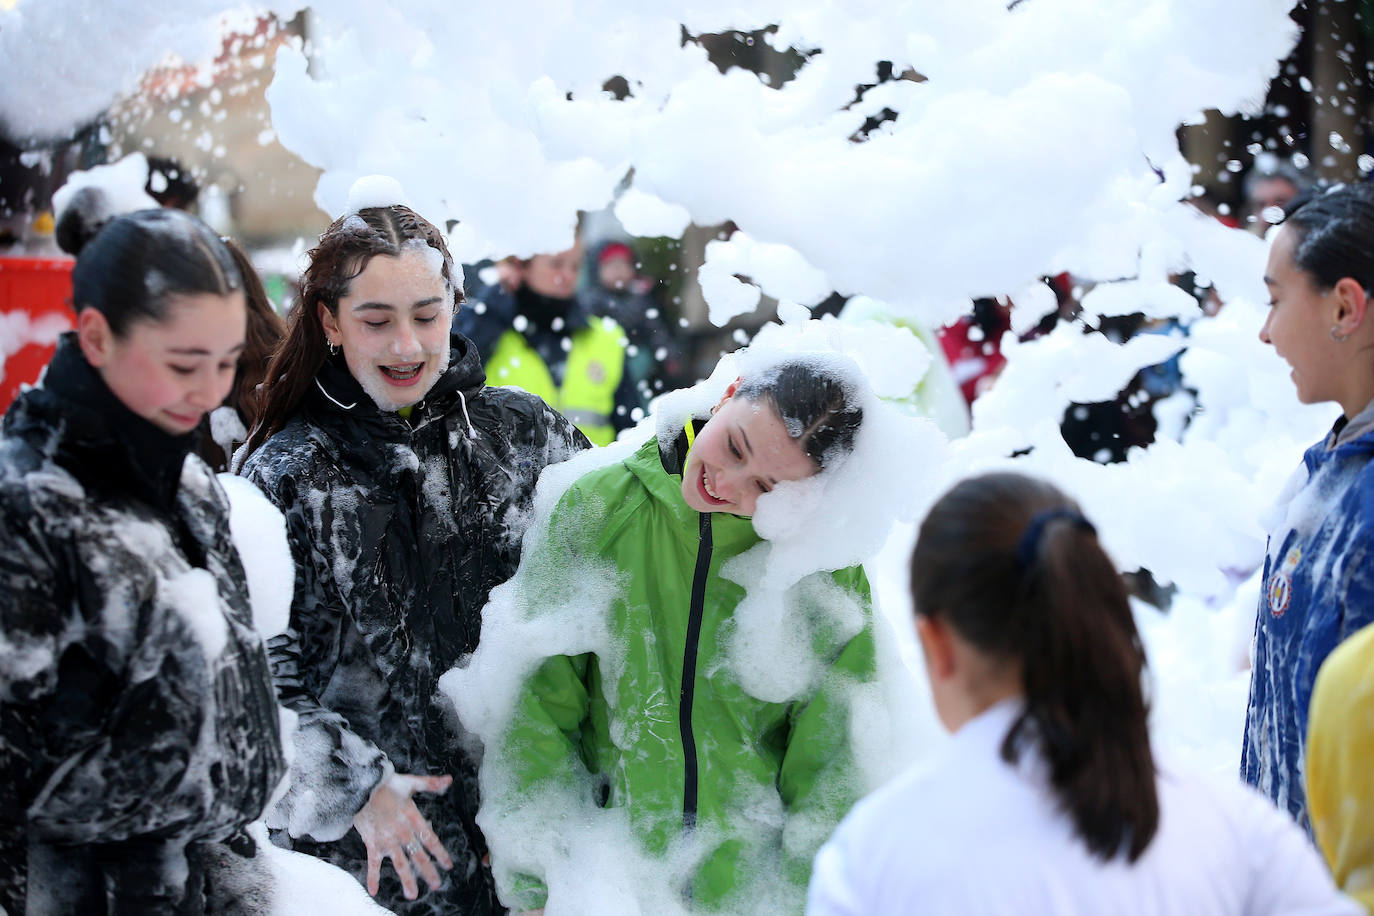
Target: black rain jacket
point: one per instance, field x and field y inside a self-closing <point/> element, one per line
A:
<point x="139" y="731"/>
<point x="399" y="529"/>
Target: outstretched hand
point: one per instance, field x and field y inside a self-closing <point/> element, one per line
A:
<point x="393" y="828"/>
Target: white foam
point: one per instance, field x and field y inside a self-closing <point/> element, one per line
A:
<point x="259" y="533"/>
<point x="121" y="185"/>
<point x="375" y="191"/>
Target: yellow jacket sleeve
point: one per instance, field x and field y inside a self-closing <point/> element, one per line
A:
<point x="1340" y="775"/>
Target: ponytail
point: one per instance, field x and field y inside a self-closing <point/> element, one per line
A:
<point x="1012" y="566"/>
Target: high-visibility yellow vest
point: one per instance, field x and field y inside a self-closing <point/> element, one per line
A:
<point x="595" y="366"/>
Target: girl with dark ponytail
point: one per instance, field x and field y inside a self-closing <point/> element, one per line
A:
<point x="1049" y="798"/>
<point x="139" y="732"/>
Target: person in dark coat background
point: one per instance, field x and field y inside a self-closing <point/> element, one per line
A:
<point x="617" y="291"/>
<point x="139" y="731"/>
<point x="534" y="332"/>
<point x="406" y="483"/>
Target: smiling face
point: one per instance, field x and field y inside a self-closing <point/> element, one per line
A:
<point x="743" y="452"/>
<point x="1299" y="323"/>
<point x="393" y="327"/>
<point x="173" y="371"/>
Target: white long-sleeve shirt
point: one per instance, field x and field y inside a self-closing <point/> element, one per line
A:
<point x="971" y="835"/>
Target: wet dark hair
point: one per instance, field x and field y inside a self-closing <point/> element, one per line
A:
<point x="343" y="253"/>
<point x="1335" y="235"/>
<point x="170" y="183"/>
<point x="128" y="266"/>
<point x="264" y="332"/>
<point x="821" y="413"/>
<point x="1010" y="564"/>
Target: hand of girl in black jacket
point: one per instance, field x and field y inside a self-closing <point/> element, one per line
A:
<point x="393" y="828"/>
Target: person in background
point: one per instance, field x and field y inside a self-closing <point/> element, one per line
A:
<point x="668" y="733"/>
<point x="1049" y="798"/>
<point x="1318" y="585"/>
<point x="539" y="336"/>
<point x="1270" y="185"/>
<point x="617" y="291"/>
<point x="404" y="480"/>
<point x="171" y="184"/>
<point x="139" y="730"/>
<point x="1340" y="745"/>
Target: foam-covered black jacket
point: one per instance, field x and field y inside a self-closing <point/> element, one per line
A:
<point x="399" y="528"/>
<point x="138" y="727"/>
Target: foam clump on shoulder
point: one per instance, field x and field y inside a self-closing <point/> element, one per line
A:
<point x="375" y="191"/>
<point x="259" y="534"/>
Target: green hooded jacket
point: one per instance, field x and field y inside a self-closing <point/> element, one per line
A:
<point x="683" y="747"/>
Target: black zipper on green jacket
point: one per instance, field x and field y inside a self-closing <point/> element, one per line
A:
<point x="689" y="673"/>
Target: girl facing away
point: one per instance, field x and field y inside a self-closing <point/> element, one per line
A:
<point x="405" y="481"/>
<point x="1049" y="799"/>
<point x="1318" y="585"/>
<point x="140" y="730"/>
<point x="661" y="734"/>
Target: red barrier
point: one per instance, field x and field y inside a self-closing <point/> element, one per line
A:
<point x="34" y="309"/>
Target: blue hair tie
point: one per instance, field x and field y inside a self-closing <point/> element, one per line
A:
<point x="1030" y="540"/>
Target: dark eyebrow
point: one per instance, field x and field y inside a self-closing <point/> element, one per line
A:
<point x="1269" y="281"/>
<point x="388" y="307"/>
<point x="198" y="351"/>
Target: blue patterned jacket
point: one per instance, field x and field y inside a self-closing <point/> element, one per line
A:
<point x="1318" y="589"/>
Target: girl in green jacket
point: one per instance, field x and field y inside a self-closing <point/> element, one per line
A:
<point x="688" y="747"/>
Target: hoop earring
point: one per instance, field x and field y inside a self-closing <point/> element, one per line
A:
<point x="333" y="348"/>
<point x="1338" y="338"/>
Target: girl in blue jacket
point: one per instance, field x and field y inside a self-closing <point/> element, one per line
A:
<point x="1318" y="578"/>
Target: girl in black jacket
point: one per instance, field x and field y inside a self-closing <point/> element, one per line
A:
<point x="406" y="484"/>
<point x="138" y="729"/>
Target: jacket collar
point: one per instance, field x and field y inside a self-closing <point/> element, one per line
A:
<point x="75" y="418"/>
<point x="1356" y="427"/>
<point x="541" y="311"/>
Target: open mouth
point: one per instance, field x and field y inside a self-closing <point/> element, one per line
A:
<point x="403" y="375"/>
<point x="710" y="493"/>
